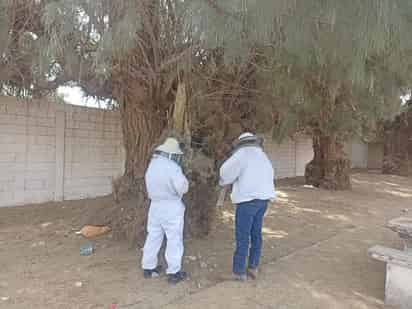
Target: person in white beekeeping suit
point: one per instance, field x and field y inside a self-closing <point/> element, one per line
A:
<point x="250" y="171"/>
<point x="166" y="184"/>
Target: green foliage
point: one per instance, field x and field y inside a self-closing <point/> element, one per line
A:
<point x="331" y="65"/>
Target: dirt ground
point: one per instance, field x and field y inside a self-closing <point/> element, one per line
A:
<point x="315" y="255"/>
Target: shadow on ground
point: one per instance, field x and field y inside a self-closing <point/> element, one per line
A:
<point x="315" y="255"/>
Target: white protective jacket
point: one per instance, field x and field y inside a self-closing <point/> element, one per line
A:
<point x="251" y="173"/>
<point x="165" y="180"/>
<point x="166" y="184"/>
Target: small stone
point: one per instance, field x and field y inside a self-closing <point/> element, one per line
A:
<point x="405" y="210"/>
<point x="38" y="244"/>
<point x="191" y="258"/>
<point x="199" y="286"/>
<point x="78" y="284"/>
<point x="5" y="298"/>
<point x="309" y="187"/>
<point x="203" y="265"/>
<point x="46" y="224"/>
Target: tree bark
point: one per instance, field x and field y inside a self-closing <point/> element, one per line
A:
<point x="398" y="146"/>
<point x="142" y="129"/>
<point x="329" y="169"/>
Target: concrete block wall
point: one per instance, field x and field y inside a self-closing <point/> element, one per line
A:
<point x="52" y="152"/>
<point x="357" y="150"/>
<point x="94" y="152"/>
<point x="291" y="156"/>
<point x="27" y="152"/>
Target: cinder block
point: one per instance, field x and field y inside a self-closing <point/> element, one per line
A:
<point x="34" y="184"/>
<point x="87" y="181"/>
<point x="96" y="116"/>
<point x="11" y="139"/>
<point x="41" y="157"/>
<point x="12" y="168"/>
<point x="47" y="174"/>
<point x="87" y="125"/>
<point x="89" y="192"/>
<point x="44" y="131"/>
<point x="46" y="122"/>
<point x="81" y="156"/>
<point x="81" y="115"/>
<point x="33" y="197"/>
<point x="111" y="117"/>
<point x="6" y="185"/>
<point x="8" y="157"/>
<point x="52" y="108"/>
<point x="41" y="140"/>
<point x="10" y="119"/>
<point x="7" y="199"/>
<point x="72" y="124"/>
<point x="19" y="108"/>
<point x="96" y="135"/>
<point x="3" y="107"/>
<point x="36" y="148"/>
<point x="77" y="133"/>
<point x="13" y="148"/>
<point x="12" y="129"/>
<point x="110" y="135"/>
<point x="37" y="108"/>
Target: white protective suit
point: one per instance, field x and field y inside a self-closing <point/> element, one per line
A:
<point x="166" y="184"/>
<point x="251" y="173"/>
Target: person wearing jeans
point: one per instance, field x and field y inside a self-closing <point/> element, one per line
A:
<point x="250" y="172"/>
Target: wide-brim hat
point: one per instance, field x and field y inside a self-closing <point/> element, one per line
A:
<point x="247" y="138"/>
<point x="171" y="145"/>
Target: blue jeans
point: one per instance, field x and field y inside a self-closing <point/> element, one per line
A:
<point x="249" y="220"/>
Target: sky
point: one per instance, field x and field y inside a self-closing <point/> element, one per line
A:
<point x="75" y="96"/>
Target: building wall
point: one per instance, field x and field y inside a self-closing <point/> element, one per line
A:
<point x="375" y="155"/>
<point x="290" y="157"/>
<point x="53" y="152"/>
<point x="357" y="151"/>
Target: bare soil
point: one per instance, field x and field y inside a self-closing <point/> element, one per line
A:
<point x="315" y="255"/>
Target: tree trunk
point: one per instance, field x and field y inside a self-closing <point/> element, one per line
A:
<point x="329" y="169"/>
<point x="142" y="129"/>
<point x="201" y="199"/>
<point x="398" y="146"/>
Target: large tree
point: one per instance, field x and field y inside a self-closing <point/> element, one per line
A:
<point x="331" y="69"/>
<point x="397" y="140"/>
<point x="324" y="66"/>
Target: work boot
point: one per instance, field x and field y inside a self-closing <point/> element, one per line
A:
<point x="240" y="277"/>
<point x="252" y="273"/>
<point x="152" y="273"/>
<point x="177" y="277"/>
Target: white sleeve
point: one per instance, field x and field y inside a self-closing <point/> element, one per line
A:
<point x="180" y="183"/>
<point x="231" y="169"/>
